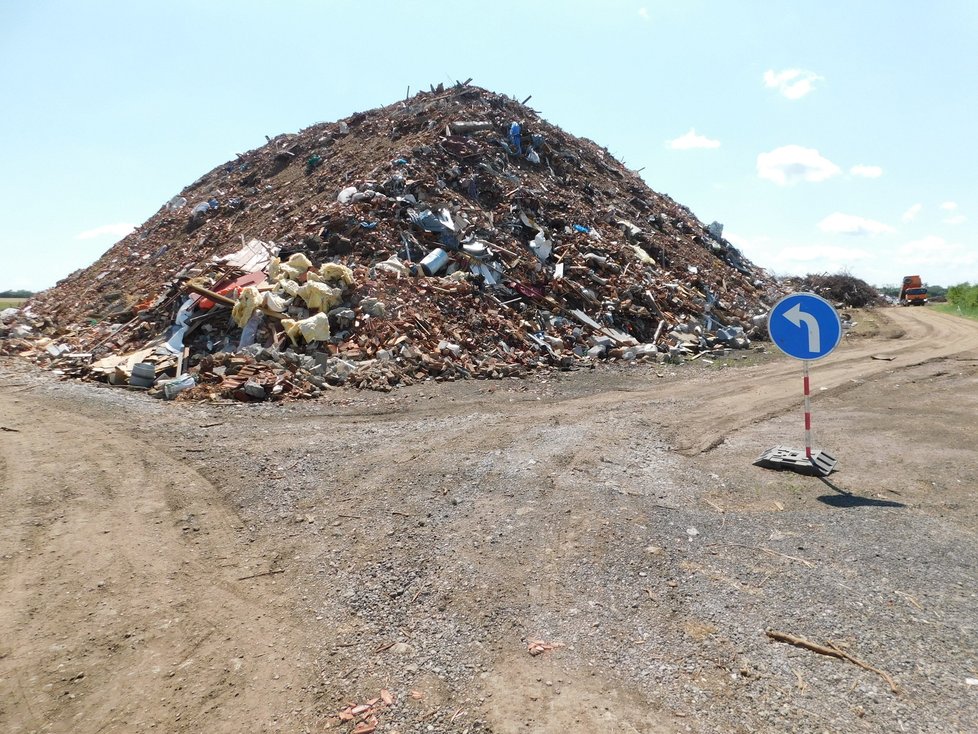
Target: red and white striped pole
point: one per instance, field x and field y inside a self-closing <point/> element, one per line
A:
<point x="808" y="413"/>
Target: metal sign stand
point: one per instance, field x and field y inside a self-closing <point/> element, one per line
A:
<point x="808" y="412"/>
<point x="814" y="463"/>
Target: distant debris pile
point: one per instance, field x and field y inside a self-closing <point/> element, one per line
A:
<point x="455" y="234"/>
<point x="841" y="289"/>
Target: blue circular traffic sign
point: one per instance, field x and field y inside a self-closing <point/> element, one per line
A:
<point x="804" y="326"/>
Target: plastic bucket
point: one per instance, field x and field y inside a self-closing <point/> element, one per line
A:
<point x="143" y="374"/>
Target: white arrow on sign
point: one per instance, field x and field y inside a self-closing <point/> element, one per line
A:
<point x="796" y="316"/>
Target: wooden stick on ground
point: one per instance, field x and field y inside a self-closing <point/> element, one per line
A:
<point x="785" y="555"/>
<point x="418" y="593"/>
<point x="770" y="552"/>
<point x="832" y="651"/>
<point x="263" y="573"/>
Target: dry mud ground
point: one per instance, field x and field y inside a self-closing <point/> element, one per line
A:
<point x="175" y="567"/>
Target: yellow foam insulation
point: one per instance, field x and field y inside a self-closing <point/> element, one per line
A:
<point x="245" y="305"/>
<point x="320" y="295"/>
<point x="313" y="329"/>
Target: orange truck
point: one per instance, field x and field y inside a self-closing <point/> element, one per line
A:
<point x="913" y="292"/>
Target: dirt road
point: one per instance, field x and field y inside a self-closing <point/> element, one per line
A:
<point x="187" y="568"/>
<point x="914" y="337"/>
<point x="119" y="601"/>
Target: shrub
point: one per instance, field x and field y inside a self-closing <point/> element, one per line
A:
<point x="964" y="295"/>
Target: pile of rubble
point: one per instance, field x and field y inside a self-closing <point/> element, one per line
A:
<point x="842" y="289"/>
<point x="452" y="235"/>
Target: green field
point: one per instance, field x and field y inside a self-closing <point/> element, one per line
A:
<point x="966" y="311"/>
<point x="11" y="303"/>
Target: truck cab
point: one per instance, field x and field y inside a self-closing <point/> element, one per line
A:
<point x="913" y="292"/>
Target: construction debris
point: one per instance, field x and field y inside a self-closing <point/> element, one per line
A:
<point x="842" y="289"/>
<point x="538" y="647"/>
<point x="363" y="717"/>
<point x="452" y="235"/>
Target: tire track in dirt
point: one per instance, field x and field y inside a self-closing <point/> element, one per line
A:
<point x="120" y="609"/>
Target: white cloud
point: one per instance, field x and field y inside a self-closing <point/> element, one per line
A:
<point x="692" y="140"/>
<point x="911" y="213"/>
<point x="924" y="247"/>
<point x="643" y="13"/>
<point x="791" y="83"/>
<point x="866" y="171"/>
<point x="792" y="258"/>
<point x="792" y="163"/>
<point x="783" y="252"/>
<point x="938" y="260"/>
<point x="118" y="231"/>
<point x="956" y="219"/>
<point x="935" y="255"/>
<point x="827" y="253"/>
<point x="839" y="223"/>
<point x="949" y="206"/>
<point x="741" y="241"/>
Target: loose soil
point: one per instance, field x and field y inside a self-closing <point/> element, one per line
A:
<point x="225" y="568"/>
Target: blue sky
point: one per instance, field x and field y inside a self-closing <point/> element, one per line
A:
<point x="824" y="135"/>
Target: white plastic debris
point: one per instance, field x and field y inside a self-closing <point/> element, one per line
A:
<point x="393" y="265"/>
<point x="274" y="302"/>
<point x="172" y="388"/>
<point x="252" y="257"/>
<point x="541" y="246"/>
<point x="643" y="256"/>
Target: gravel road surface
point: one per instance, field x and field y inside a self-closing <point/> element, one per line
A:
<point x="185" y="567"/>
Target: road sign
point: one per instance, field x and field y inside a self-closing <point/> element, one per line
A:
<point x="804" y="326"/>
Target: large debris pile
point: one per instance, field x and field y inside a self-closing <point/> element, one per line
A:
<point x="454" y="234"/>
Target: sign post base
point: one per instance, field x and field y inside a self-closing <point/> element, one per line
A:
<point x="784" y="458"/>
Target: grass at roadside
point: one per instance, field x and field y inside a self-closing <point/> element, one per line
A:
<point x="742" y="358"/>
<point x="968" y="313"/>
<point x="11" y="303"/>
